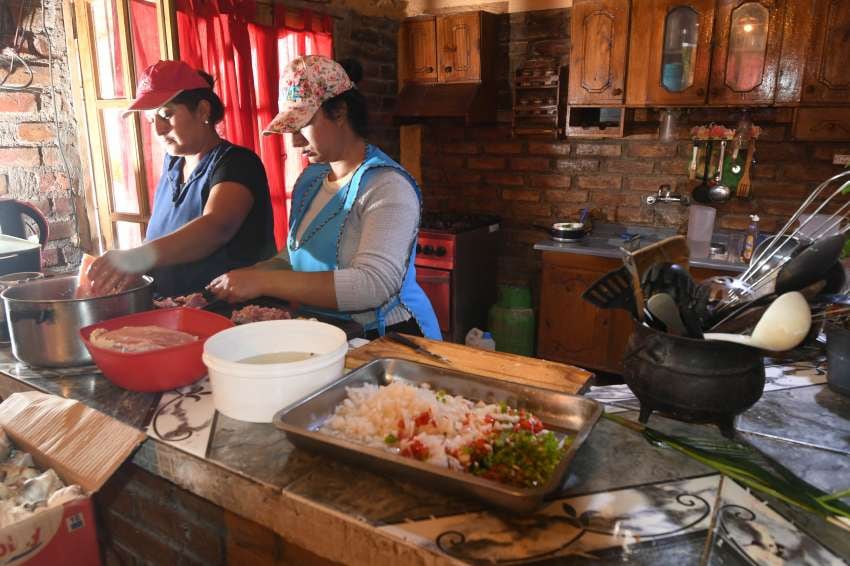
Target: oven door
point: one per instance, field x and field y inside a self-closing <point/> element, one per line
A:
<point x="437" y="284"/>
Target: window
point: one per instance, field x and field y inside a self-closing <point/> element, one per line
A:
<point x="243" y="45"/>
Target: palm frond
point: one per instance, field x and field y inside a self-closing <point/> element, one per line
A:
<point x="752" y="468"/>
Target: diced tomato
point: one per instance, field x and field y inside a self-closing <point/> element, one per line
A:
<point x="424" y="419"/>
<point x="418" y="450"/>
<point x="400" y="425"/>
<point x="489" y="419"/>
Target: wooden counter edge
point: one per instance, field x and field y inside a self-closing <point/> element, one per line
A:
<point x="327" y="533"/>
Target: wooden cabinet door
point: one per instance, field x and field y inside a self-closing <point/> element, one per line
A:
<point x="420" y="50"/>
<point x="459" y="47"/>
<point x="747" y="44"/>
<point x="571" y="329"/>
<point x="827" y="73"/>
<point x="599" y="35"/>
<point x="669" y="52"/>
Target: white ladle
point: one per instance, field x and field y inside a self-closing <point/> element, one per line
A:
<point x="783" y="325"/>
<point x="663" y="307"/>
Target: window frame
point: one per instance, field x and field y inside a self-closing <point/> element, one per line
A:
<point x="99" y="201"/>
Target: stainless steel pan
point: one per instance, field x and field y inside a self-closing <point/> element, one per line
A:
<point x="560" y="413"/>
<point x="45" y="318"/>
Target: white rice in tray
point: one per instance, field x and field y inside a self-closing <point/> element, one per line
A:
<point x="442" y="423"/>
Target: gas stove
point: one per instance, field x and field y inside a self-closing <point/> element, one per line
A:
<point x="456" y="266"/>
<point x="455" y="223"/>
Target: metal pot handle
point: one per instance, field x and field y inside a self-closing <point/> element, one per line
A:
<point x="39" y="316"/>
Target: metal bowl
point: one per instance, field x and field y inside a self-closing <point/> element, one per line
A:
<point x="45" y="318"/>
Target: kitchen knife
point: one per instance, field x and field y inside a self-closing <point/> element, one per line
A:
<point x="403" y="340"/>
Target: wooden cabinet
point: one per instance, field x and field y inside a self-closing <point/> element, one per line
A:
<point x="573" y="331"/>
<point x="446" y="49"/>
<point x="599" y="36"/>
<point x="420" y="37"/>
<point x="459" y="47"/>
<point x="670" y="52"/>
<point x="745" y="60"/>
<point x="698" y="51"/>
<point x="827" y="75"/>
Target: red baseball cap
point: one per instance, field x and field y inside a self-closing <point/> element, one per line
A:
<point x="162" y="81"/>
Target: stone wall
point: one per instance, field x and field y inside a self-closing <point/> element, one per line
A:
<point x="530" y="180"/>
<point x="144" y="519"/>
<point x="36" y="122"/>
<point x="374" y="42"/>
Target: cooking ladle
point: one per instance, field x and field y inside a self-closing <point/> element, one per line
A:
<point x="784" y="324"/>
<point x="663" y="307"/>
<point x="719" y="192"/>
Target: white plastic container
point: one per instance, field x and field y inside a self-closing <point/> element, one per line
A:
<point x="477" y="338"/>
<point x="255" y="392"/>
<point x="700" y="229"/>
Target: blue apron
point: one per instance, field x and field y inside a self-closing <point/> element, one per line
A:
<point x="319" y="248"/>
<point x="175" y="206"/>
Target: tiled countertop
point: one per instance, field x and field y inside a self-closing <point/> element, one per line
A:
<point x="624" y="500"/>
<point x="605" y="241"/>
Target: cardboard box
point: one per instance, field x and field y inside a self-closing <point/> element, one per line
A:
<point x="84" y="447"/>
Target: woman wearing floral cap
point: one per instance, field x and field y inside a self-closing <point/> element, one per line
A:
<point x="211" y="211"/>
<point x="354" y="217"/>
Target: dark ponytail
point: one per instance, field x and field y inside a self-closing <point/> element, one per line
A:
<point x="352" y="99"/>
<point x="191" y="98"/>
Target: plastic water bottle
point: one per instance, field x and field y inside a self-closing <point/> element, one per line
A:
<point x="477" y="338"/>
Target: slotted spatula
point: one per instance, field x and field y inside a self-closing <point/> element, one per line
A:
<point x="613" y="291"/>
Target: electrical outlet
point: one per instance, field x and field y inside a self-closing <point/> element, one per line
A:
<point x="841" y="159"/>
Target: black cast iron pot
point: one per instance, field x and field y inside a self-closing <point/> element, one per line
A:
<point x="699" y="381"/>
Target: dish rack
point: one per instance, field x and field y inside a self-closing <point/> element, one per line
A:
<point x="537" y="98"/>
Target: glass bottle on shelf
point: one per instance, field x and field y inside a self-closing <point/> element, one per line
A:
<point x="681" y="27"/>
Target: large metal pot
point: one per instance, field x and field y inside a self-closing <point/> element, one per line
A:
<point x="692" y="380"/>
<point x="45" y="318"/>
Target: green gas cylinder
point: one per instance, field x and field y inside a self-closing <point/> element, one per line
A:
<point x="511" y="321"/>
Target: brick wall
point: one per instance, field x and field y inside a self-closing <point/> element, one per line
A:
<point x="373" y="41"/>
<point x="31" y="166"/>
<point x="144" y="519"/>
<point x="528" y="180"/>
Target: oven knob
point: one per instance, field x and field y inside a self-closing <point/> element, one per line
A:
<point x="418" y="248"/>
<point x="441" y="251"/>
<point x="429" y="249"/>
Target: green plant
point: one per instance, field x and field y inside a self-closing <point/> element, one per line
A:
<point x="750" y="467"/>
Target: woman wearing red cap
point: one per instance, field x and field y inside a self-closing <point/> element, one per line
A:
<point x="211" y="211"/>
<point x="354" y="217"/>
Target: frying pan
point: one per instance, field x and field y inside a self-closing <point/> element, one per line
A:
<point x="565" y="231"/>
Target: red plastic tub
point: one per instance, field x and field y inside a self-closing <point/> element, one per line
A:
<point x="157" y="370"/>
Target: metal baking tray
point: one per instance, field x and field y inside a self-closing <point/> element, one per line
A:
<point x="561" y="413"/>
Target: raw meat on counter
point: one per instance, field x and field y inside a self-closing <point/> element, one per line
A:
<point x="256" y="313"/>
<point x="25" y="489"/>
<point x="139" y="338"/>
<point x="192" y="300"/>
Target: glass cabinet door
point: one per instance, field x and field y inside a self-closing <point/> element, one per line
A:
<point x="747" y="47"/>
<point x="669" y="52"/>
<point x="678" y="59"/>
<point x="746" y="56"/>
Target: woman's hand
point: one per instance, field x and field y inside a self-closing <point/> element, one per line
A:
<point x="239" y="285"/>
<point x="116" y="270"/>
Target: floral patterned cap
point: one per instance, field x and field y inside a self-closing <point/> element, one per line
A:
<point x="308" y="81"/>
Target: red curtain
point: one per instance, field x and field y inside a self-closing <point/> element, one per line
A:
<point x="223" y="38"/>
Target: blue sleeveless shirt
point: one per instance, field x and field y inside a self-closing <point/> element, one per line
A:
<point x="176" y="205"/>
<point x="318" y="250"/>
